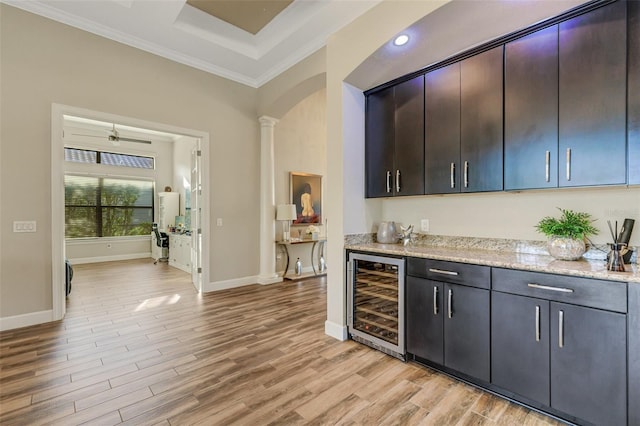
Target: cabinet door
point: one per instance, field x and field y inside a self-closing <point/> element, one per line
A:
<point x="379" y="147"/>
<point x="633" y="92"/>
<point x="466" y="330"/>
<point x="531" y="111"/>
<point x="409" y="137"/>
<point x="592" y="89"/>
<point x="442" y="130"/>
<point x="481" y="135"/>
<point x="589" y="363"/>
<point x="520" y="345"/>
<point x="424" y="319"/>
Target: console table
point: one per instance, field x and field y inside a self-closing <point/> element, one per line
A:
<point x="319" y="243"/>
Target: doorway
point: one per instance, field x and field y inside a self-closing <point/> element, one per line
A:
<point x="199" y="198"/>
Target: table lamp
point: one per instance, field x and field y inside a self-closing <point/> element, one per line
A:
<point x="286" y="213"/>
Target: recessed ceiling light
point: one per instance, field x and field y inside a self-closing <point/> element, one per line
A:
<point x="401" y="39"/>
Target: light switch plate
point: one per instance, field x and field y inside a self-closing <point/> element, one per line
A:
<point x="24" y="226"/>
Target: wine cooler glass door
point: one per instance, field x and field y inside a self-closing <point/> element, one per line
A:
<point x="376" y="305"/>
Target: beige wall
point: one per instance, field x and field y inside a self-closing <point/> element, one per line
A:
<point x="44" y="62"/>
<point x="300" y="146"/>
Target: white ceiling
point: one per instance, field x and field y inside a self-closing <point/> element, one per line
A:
<point x="177" y="31"/>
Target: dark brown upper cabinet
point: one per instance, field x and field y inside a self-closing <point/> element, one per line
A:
<point x="592" y="97"/>
<point x="394" y="152"/>
<point x="531" y="111"/>
<point x="463" y="125"/>
<point x="633" y="92"/>
<point x="379" y="147"/>
<point x="442" y="130"/>
<point x="481" y="136"/>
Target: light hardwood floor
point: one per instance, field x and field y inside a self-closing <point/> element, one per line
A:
<point x="139" y="346"/>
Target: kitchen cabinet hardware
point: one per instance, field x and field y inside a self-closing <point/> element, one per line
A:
<point x="466" y="174"/>
<point x="568" y="164"/>
<point x="551" y="288"/>
<point x="537" y="323"/>
<point x="547" y="162"/>
<point x="561" y="329"/>
<point x="398" y="180"/>
<point x="442" y="271"/>
<point x="388" y="181"/>
<point x="453" y="171"/>
<point x="435" y="300"/>
<point x="450" y="302"/>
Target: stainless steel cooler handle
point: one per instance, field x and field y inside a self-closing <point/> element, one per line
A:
<point x="435" y="300"/>
<point x="450" y="309"/>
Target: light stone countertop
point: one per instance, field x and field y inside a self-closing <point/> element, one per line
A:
<point x="588" y="268"/>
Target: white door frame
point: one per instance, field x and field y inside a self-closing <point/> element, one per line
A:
<point x="57" y="191"/>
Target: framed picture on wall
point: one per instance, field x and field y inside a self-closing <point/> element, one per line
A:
<point x="306" y="194"/>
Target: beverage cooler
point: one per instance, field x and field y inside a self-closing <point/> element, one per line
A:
<point x="375" y="313"/>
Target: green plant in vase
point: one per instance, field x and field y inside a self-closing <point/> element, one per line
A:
<point x="567" y="234"/>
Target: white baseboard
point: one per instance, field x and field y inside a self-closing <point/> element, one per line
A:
<point x="226" y="284"/>
<point x="336" y="331"/>
<point x="115" y="258"/>
<point x="25" y="320"/>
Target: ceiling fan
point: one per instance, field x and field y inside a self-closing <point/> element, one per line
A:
<point x="115" y="138"/>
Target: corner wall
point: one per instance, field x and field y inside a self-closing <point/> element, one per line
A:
<point x="44" y="62"/>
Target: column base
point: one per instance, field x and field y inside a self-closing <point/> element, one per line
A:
<point x="270" y="279"/>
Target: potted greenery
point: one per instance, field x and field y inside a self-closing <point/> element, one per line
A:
<point x="566" y="235"/>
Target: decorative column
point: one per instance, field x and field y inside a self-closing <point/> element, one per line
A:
<point x="267" y="203"/>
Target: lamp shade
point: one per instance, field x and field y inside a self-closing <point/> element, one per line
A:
<point x="286" y="212"/>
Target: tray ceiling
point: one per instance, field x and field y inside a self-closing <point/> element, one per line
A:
<point x="286" y="31"/>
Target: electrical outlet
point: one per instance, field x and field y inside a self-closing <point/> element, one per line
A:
<point x="424" y="225"/>
<point x="219" y="221"/>
<point x="24" y="226"/>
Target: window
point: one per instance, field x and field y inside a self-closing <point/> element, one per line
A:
<point x="108" y="158"/>
<point x="107" y="207"/>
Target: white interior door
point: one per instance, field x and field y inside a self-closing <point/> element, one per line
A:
<point x="196" y="216"/>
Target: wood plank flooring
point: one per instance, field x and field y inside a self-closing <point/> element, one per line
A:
<point x="139" y="346"/>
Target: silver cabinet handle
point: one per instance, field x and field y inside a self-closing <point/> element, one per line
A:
<point x="450" y="309"/>
<point x="453" y="175"/>
<point x="561" y="329"/>
<point x="388" y="181"/>
<point x="398" y="180"/>
<point x="435" y="300"/>
<point x="547" y="162"/>
<point x="568" y="163"/>
<point x="547" y="287"/>
<point x="466" y="174"/>
<point x="537" y="323"/>
<point x="442" y="271"/>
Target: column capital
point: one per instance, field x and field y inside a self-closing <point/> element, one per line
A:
<point x="267" y="121"/>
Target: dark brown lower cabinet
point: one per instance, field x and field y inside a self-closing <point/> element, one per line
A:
<point x="425" y="329"/>
<point x="448" y="324"/>
<point x="589" y="363"/>
<point x="520" y="345"/>
<point x="561" y="342"/>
